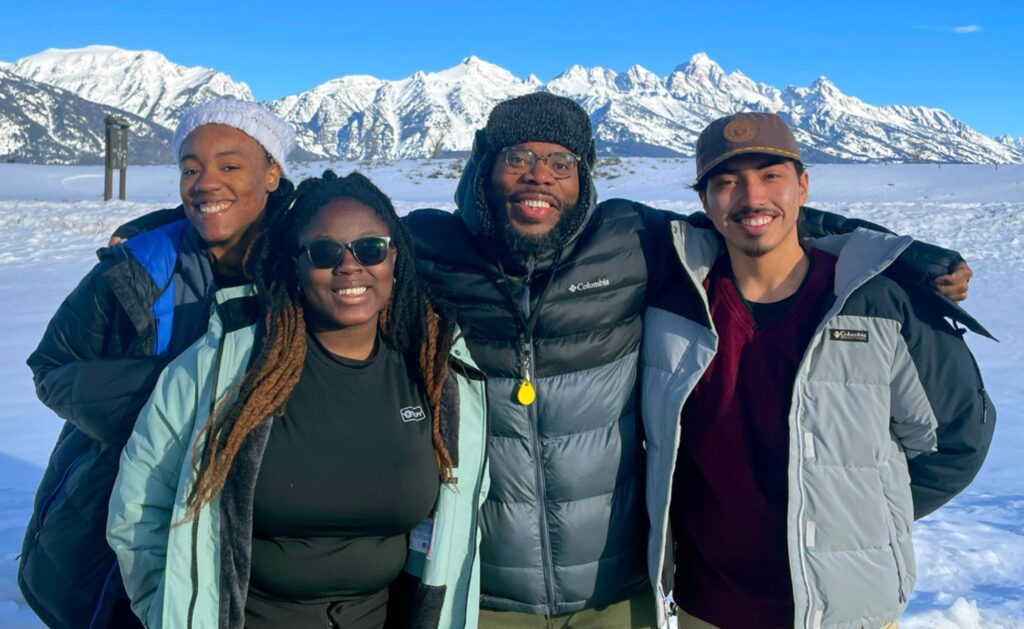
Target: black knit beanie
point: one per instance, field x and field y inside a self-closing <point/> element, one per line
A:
<point x="541" y="117"/>
<point x="537" y="117"/>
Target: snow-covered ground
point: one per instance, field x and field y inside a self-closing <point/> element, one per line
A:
<point x="970" y="554"/>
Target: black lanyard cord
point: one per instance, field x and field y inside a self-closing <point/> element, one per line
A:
<point x="526" y="327"/>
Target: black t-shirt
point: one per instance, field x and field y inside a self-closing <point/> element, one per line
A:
<point x="348" y="471"/>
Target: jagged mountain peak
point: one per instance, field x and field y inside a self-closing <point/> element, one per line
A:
<point x="575" y="71"/>
<point x="640" y="73"/>
<point x="472" y="66"/>
<point x="143" y="82"/>
<point x="99" y="58"/>
<point x="701" y="64"/>
<point x="823" y="85"/>
<point x="578" y="80"/>
<point x="699" y="59"/>
<point x="1016" y="143"/>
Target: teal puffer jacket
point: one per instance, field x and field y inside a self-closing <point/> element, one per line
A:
<point x="196" y="574"/>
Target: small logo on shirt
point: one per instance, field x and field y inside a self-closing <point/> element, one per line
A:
<point x="413" y="414"/>
<point x="601" y="283"/>
<point x="850" y="336"/>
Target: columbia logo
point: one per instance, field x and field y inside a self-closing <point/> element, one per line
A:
<point x="851" y="336"/>
<point x="601" y="283"/>
<point x="413" y="414"/>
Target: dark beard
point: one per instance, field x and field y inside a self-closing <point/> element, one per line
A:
<point x="529" y="245"/>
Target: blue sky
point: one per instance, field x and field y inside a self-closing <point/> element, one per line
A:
<point x="963" y="57"/>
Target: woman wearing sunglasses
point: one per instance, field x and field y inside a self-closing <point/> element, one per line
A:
<point x="317" y="458"/>
<point x="144" y="302"/>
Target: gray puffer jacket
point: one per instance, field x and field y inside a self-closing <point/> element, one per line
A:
<point x="564" y="526"/>
<point x="883" y="381"/>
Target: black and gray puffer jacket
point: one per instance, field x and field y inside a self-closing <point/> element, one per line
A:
<point x="564" y="527"/>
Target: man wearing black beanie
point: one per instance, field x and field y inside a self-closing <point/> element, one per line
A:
<point x="548" y="288"/>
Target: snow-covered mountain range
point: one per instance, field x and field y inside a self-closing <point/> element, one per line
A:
<point x="634" y="112"/>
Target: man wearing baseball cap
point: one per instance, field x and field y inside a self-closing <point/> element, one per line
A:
<point x="818" y="406"/>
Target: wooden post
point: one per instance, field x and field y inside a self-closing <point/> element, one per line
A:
<point x="117" y="156"/>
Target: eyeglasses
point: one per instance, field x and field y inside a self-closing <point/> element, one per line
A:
<point x="327" y="254"/>
<point x="520" y="160"/>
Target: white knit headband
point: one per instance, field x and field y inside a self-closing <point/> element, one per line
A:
<point x="274" y="134"/>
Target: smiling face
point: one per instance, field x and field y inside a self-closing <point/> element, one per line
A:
<point x="225" y="182"/>
<point x="754" y="201"/>
<point x="350" y="296"/>
<point x="533" y="201"/>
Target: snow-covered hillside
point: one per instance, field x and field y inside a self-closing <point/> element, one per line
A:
<point x="970" y="554"/>
<point x="42" y="123"/>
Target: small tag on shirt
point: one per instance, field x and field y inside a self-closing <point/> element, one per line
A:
<point x="421" y="539"/>
<point x="413" y="414"/>
<point x="851" y="336"/>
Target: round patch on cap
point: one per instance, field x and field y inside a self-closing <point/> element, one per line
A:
<point x="740" y="129"/>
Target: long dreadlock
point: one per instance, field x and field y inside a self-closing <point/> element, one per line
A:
<point x="411" y="324"/>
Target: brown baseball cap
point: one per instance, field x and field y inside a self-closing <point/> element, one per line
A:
<point x="745" y="132"/>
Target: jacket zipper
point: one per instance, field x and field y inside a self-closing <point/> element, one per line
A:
<point x="194" y="572"/>
<point x="56" y="493"/>
<point x="545" y="534"/>
<point x="103" y="594"/>
<point x="981" y="388"/>
<point x="479" y="478"/>
<point x="801" y="532"/>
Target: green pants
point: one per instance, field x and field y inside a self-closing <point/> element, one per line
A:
<point x="686" y="621"/>
<point x="638" y="612"/>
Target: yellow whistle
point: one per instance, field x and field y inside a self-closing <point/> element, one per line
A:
<point x="526" y="394"/>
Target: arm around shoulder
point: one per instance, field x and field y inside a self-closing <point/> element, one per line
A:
<point x="921" y="264"/>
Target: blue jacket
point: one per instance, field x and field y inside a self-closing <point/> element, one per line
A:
<point x="95" y="366"/>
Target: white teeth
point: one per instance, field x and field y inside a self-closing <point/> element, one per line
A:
<point x="756" y="221"/>
<point x="358" y="290"/>
<point x="211" y="208"/>
<point x="537" y="204"/>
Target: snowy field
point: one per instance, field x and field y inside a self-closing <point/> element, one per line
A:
<point x="970" y="554"/>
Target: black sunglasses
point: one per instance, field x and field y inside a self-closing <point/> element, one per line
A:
<point x="327" y="254"/>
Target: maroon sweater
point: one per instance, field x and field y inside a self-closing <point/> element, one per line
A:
<point x="729" y="494"/>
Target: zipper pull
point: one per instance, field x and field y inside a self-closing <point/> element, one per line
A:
<point x="525" y="393"/>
